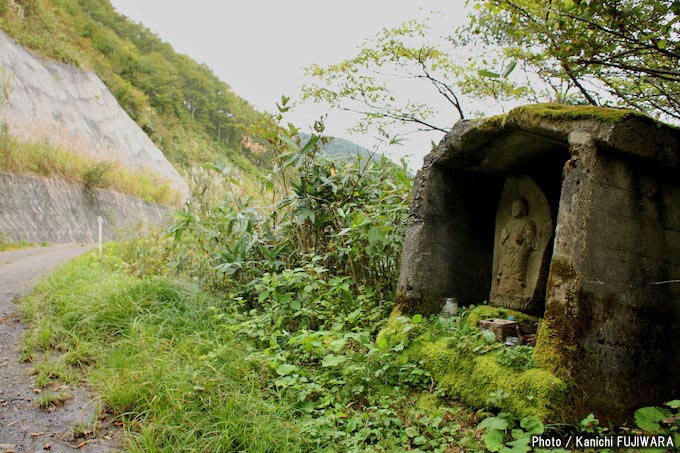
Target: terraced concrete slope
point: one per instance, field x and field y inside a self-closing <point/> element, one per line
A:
<point x="44" y="100"/>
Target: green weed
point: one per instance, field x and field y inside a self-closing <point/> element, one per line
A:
<point x="6" y="243"/>
<point x="660" y="420"/>
<point x="43" y="159"/>
<point x="48" y="399"/>
<point x="54" y="370"/>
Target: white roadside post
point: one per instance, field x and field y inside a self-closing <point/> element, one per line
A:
<point x="100" y="221"/>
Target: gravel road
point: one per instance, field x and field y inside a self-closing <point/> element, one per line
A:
<point x="23" y="426"/>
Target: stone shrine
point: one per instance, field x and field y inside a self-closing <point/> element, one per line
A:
<point x="571" y="214"/>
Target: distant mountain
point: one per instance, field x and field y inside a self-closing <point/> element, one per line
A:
<point x="342" y="149"/>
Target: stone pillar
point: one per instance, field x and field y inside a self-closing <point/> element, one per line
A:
<point x="608" y="328"/>
<point x="555" y="350"/>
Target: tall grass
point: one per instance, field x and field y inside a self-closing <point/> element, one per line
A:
<point x="44" y="159"/>
<point x="164" y="365"/>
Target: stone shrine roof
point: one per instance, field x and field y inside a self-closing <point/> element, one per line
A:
<point x="494" y="143"/>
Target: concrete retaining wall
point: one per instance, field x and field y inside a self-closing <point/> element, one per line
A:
<point x="38" y="209"/>
<point x="42" y="100"/>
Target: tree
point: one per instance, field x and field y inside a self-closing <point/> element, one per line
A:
<point x="621" y="52"/>
<point x="363" y="84"/>
<point x="372" y="83"/>
<point x="601" y="52"/>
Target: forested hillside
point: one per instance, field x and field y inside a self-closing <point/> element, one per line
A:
<point x="191" y="114"/>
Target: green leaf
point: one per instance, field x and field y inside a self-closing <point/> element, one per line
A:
<point x="420" y="440"/>
<point x="509" y="69"/>
<point x="590" y="420"/>
<point x="284" y="298"/>
<point x="648" y="418"/>
<point x="532" y="425"/>
<point x="488" y="74"/>
<point x="436" y="422"/>
<point x="518" y="446"/>
<point x="332" y="360"/>
<point x="344" y="231"/>
<point x="285" y="381"/>
<point x="675" y="404"/>
<point x="270" y="254"/>
<point x="489" y="336"/>
<point x="310" y="143"/>
<point x="382" y="343"/>
<point x="412" y="431"/>
<point x="285" y="369"/>
<point x="363" y="339"/>
<point x="417" y="319"/>
<point x="374" y="236"/>
<point x="493" y="440"/>
<point x="337" y="345"/>
<point x="289" y="142"/>
<point x="494" y="423"/>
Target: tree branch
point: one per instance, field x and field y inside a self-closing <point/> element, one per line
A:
<point x="442" y="87"/>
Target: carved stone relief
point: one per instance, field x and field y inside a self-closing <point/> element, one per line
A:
<point x="523" y="229"/>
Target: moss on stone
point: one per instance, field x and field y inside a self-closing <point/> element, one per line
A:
<point x="488" y="311"/>
<point x="472" y="378"/>
<point x="554" y="352"/>
<point x="575" y="112"/>
<point x="551" y="349"/>
<point x="561" y="112"/>
<point x="424" y="305"/>
<point x="491" y="123"/>
<point x="561" y="268"/>
<point x="393" y="333"/>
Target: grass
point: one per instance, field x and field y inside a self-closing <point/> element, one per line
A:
<point x="43" y="159"/>
<point x="49" y="371"/>
<point x="6" y="243"/>
<point x="49" y="399"/>
<point x="160" y="360"/>
<point x="9" y="245"/>
<point x="162" y="356"/>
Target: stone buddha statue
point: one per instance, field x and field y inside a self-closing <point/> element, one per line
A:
<point x="522" y="232"/>
<point x="517" y="241"/>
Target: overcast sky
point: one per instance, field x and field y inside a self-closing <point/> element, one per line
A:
<point x="260" y="47"/>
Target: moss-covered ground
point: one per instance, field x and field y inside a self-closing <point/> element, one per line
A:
<point x="475" y="368"/>
<point x="481" y="382"/>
